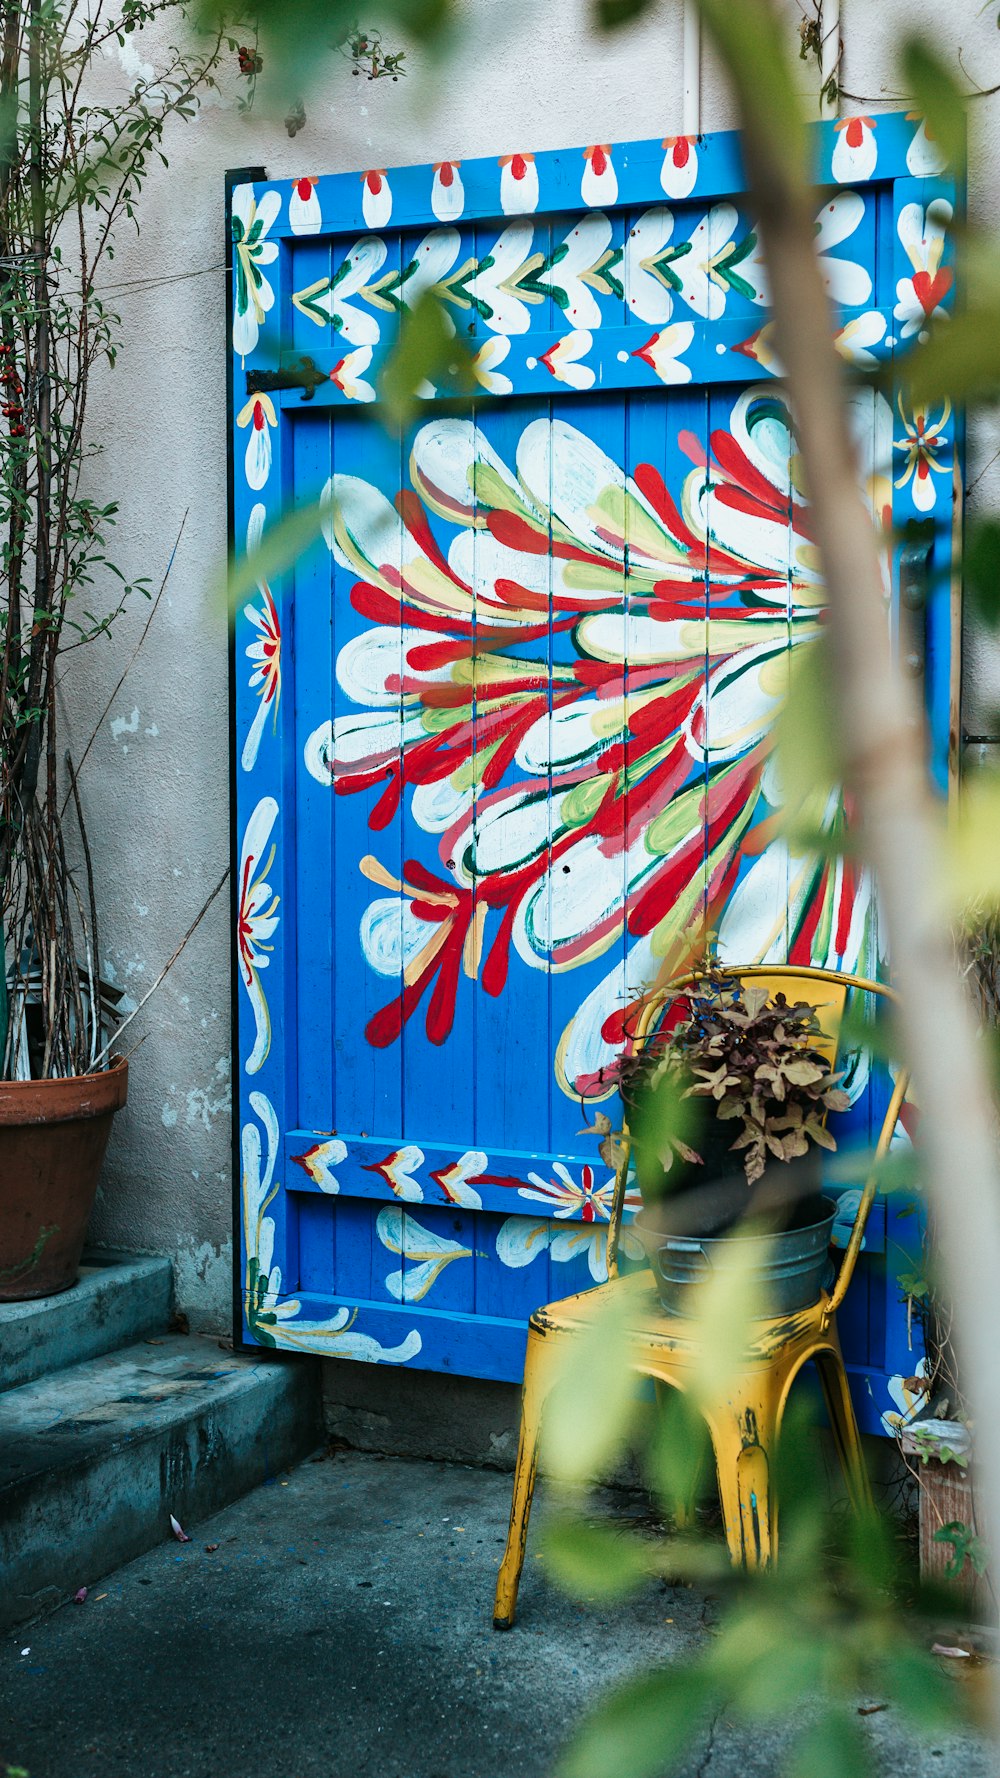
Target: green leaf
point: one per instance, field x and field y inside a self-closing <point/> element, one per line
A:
<point x="806" y="734"/>
<point x="961" y="359"/>
<point x="967" y="1546"/>
<point x="282" y="545"/>
<point x="832" y="1747"/>
<point x="609" y="14"/>
<point x="927" y="1699"/>
<point x="678" y="1456"/>
<point x="981" y="563"/>
<point x="593" y="1399"/>
<point x="643" y="1729"/>
<point x="968" y="856"/>
<point x="751" y="41"/>
<point x="933" y="86"/>
<point x="768" y="1666"/>
<point x="426" y="351"/>
<point x="596" y="1561"/>
<point x="662" y="1120"/>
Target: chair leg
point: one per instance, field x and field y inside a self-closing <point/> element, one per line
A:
<point x="743" y="1439"/>
<point x="532" y="1399"/>
<point x="844" y="1426"/>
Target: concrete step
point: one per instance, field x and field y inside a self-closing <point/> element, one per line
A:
<point x="94" y="1459"/>
<point x="119" y="1298"/>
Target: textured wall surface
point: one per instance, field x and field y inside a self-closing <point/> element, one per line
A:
<point x="156" y="782"/>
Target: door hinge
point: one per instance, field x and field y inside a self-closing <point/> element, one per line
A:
<point x="304" y="374"/>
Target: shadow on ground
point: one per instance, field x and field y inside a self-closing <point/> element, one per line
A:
<point x="342" y="1629"/>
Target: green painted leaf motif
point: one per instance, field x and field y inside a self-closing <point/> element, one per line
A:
<point x="242" y="292"/>
<point x="726" y="266"/>
<point x="584" y="800"/>
<point x="609" y="274"/>
<point x="660" y="264"/>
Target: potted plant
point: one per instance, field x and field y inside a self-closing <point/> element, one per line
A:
<point x="73" y="159"/>
<point x="727" y="1110"/>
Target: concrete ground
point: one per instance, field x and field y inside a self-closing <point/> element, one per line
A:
<point x="342" y="1629"/>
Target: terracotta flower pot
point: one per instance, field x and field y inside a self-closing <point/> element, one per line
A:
<point x="53" y="1134"/>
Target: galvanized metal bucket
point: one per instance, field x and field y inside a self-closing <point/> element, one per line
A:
<point x="792" y="1268"/>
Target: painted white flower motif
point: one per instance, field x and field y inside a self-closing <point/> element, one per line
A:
<point x="772" y="898"/>
<point x="447" y="192"/>
<point x="680" y="166"/>
<point x="259" y="415"/>
<point x="327" y="301"/>
<point x="924" y="159"/>
<point x="920" y="297"/>
<point x="520" y="1240"/>
<point x="518" y="184"/>
<point x="562" y="360"/>
<point x="271" y="1321"/>
<point x="855" y="154"/>
<point x="847" y="283"/>
<point x="581" y="1198"/>
<point x="909" y="1401"/>
<point x="318" y="1162"/>
<point x="647" y="293"/>
<point x="376" y="198"/>
<point x="599" y="185"/>
<point x="348" y="375"/>
<point x="491" y="353"/>
<point x="398" y="1169"/>
<point x="581" y="254"/>
<point x="264" y="652"/>
<point x="923" y="437"/>
<point x="431" y="262"/>
<point x="507" y="312"/>
<point x="664" y="352"/>
<point x="257" y="921"/>
<point x="254" y="296"/>
<point x="263" y="1280"/>
<point x="256" y="1184"/>
<point x="304" y="213"/>
<point x="856" y="340"/>
<point x="698" y="271"/>
<point x="454" y="1180"/>
<point x="424" y="1253"/>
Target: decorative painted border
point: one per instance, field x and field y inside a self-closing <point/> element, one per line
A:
<point x="266" y="218"/>
<point x="848" y="151"/>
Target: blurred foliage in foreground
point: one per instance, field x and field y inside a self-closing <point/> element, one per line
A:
<point x="834" y="1633"/>
<point x="803" y="1646"/>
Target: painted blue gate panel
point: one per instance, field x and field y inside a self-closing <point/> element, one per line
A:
<point x="502" y="731"/>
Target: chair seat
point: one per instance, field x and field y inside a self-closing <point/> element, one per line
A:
<point x="655" y="1330"/>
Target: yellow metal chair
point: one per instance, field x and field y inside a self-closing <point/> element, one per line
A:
<point x="744" y="1427"/>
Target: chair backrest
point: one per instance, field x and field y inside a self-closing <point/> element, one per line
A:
<point x="827" y="991"/>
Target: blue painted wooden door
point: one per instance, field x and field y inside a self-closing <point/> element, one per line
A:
<point x="504" y="730"/>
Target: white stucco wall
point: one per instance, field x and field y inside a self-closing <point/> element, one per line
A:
<point x="528" y="74"/>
